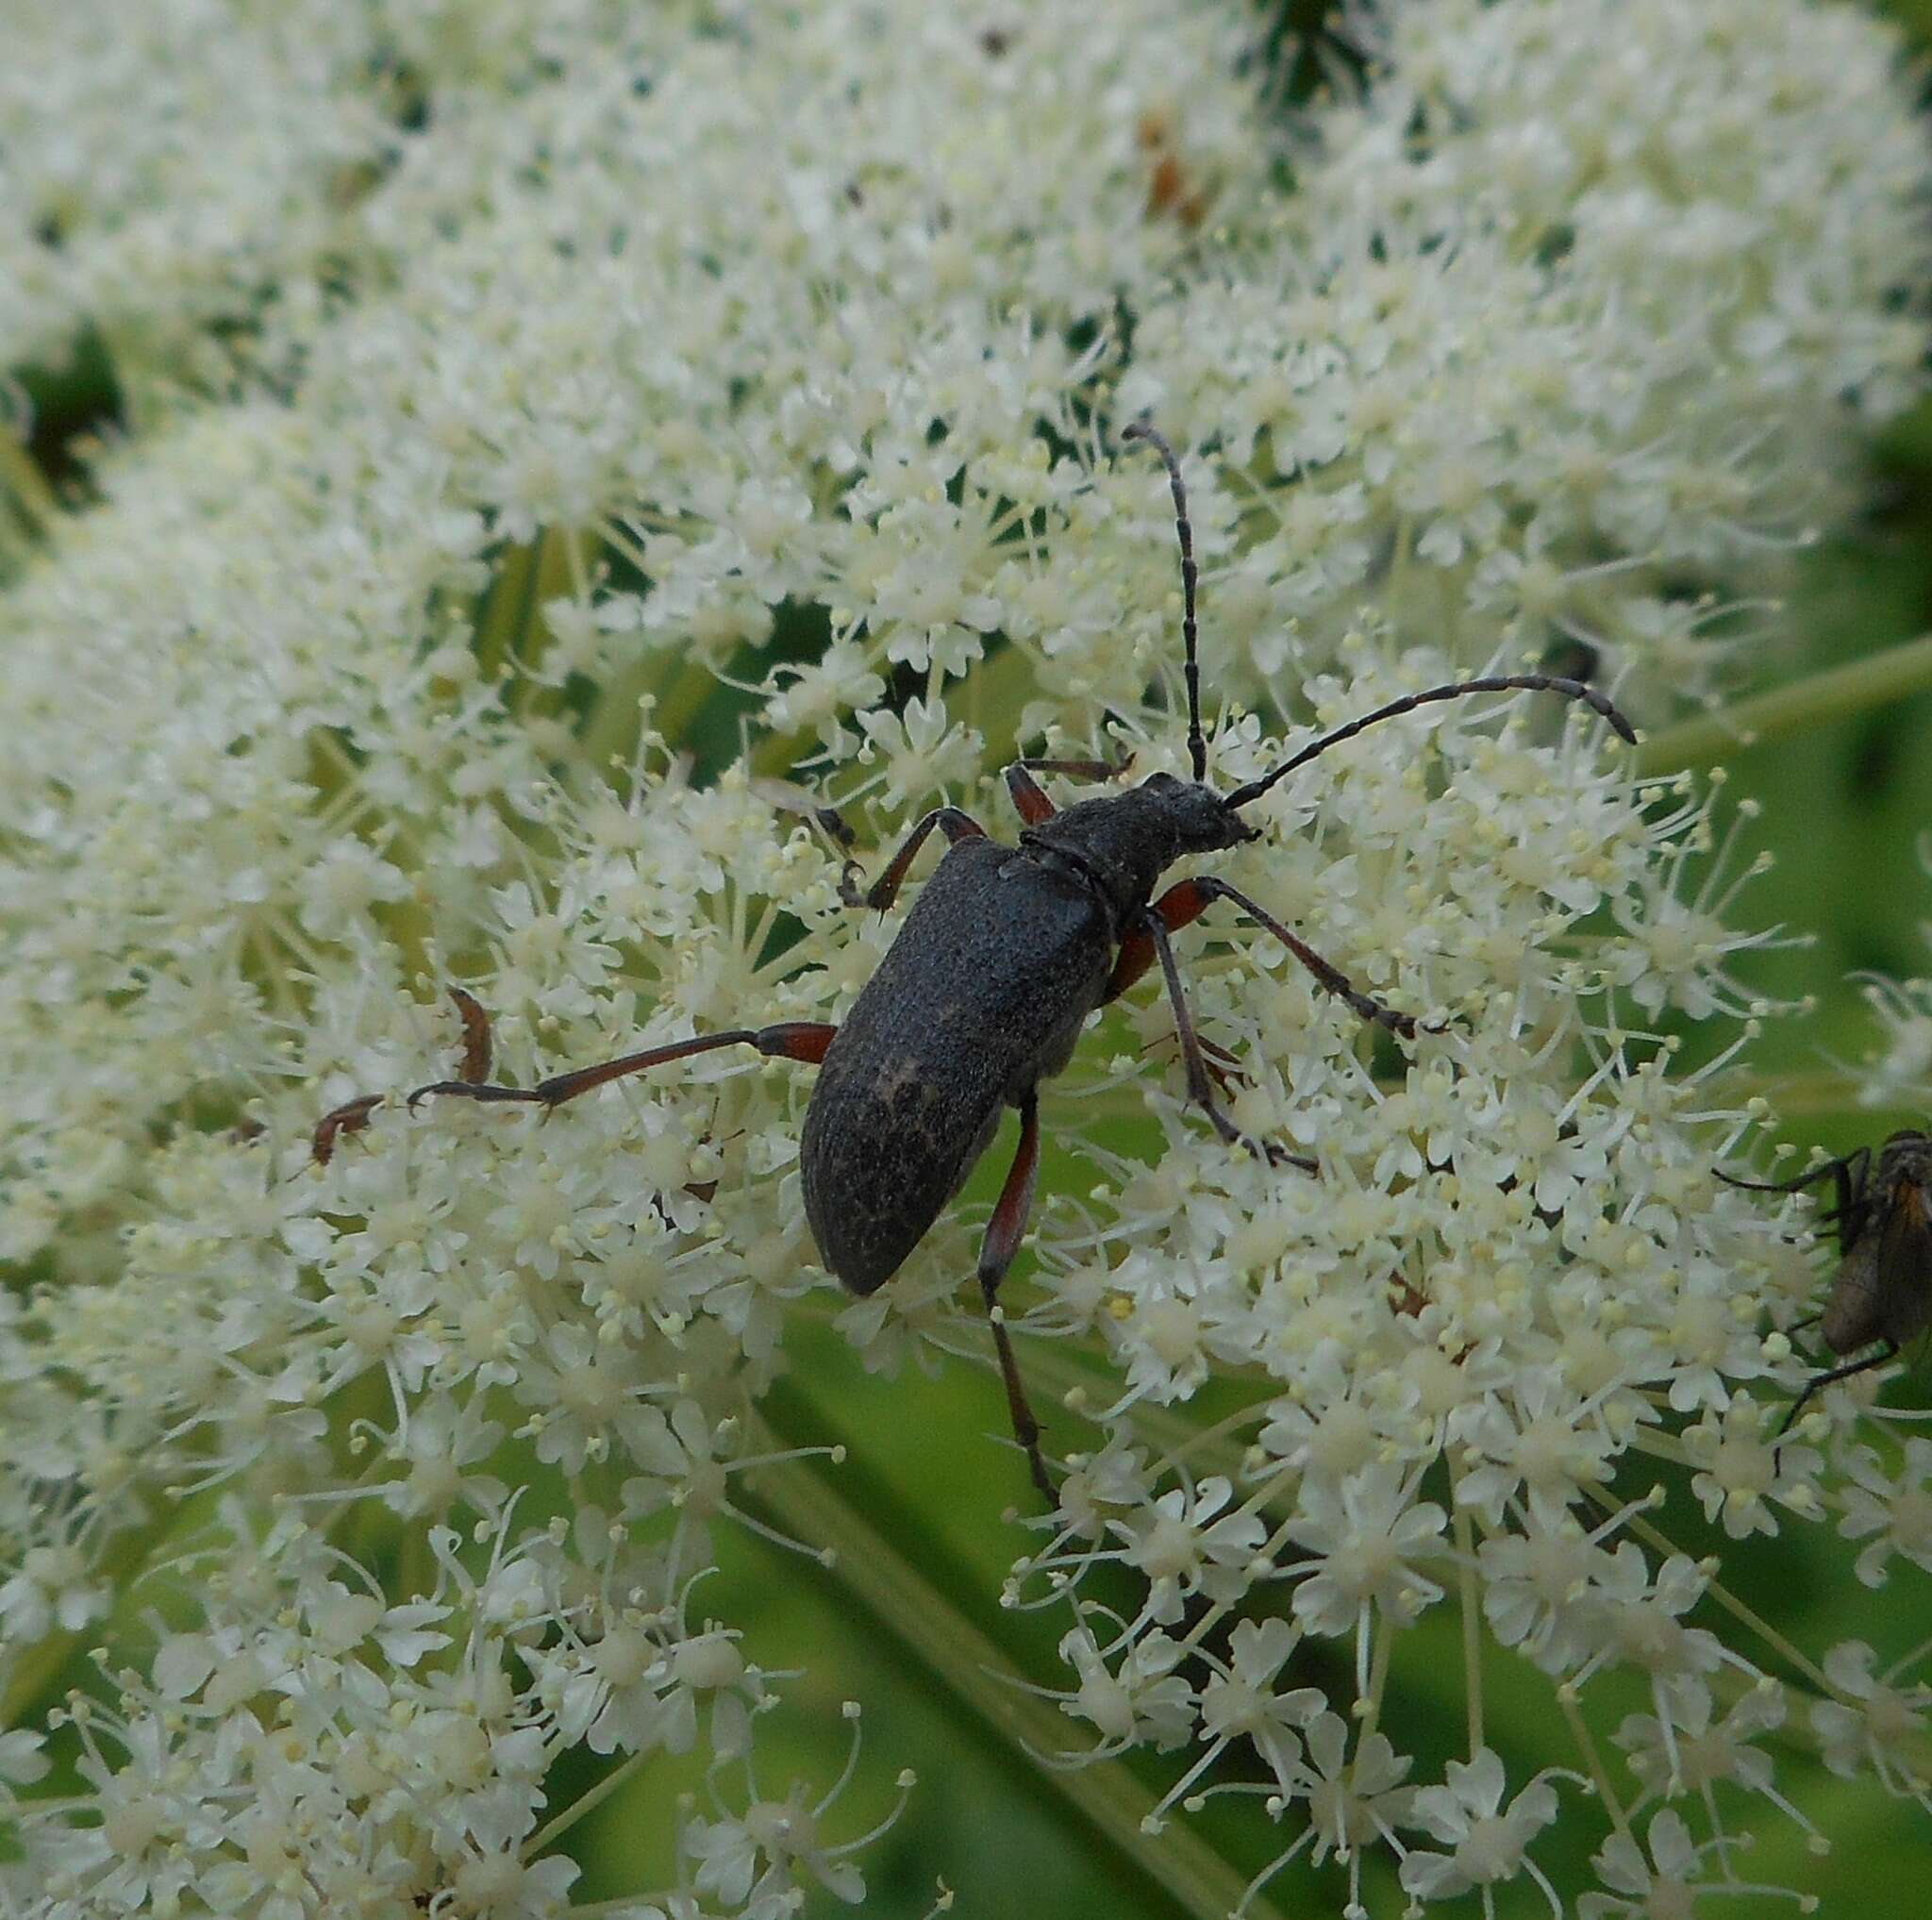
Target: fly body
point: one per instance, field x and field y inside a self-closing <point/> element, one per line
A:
<point x="1881" y="1293"/>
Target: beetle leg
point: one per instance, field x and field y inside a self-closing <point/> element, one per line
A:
<point x="1198" y="1087"/>
<point x="1080" y="770"/>
<point x="1328" y="976"/>
<point x="352" y="1116"/>
<point x="1029" y="796"/>
<point x="885" y="890"/>
<point x="1176" y="906"/>
<point x="1223" y="1068"/>
<point x="1181" y="904"/>
<point x="800" y="1040"/>
<point x="1187" y="900"/>
<point x="1001" y="1242"/>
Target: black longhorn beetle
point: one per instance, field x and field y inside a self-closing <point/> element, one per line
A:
<point x="984" y="991"/>
<point x="1882" y="1292"/>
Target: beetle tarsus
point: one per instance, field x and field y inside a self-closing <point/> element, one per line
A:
<point x="1019" y="1409"/>
<point x="481" y="1090"/>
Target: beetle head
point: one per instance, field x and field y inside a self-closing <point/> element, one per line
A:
<point x="1125" y="841"/>
<point x="1196" y="818"/>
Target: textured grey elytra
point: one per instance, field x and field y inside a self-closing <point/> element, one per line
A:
<point x="981" y="994"/>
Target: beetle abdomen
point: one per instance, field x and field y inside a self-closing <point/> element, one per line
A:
<point x="982" y="992"/>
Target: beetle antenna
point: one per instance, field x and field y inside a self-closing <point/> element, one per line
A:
<point x="1197" y="743"/>
<point x="1498" y="683"/>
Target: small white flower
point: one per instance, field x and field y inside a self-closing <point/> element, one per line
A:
<point x="1364" y="1530"/>
<point x="1875" y="1722"/>
<point x="1897" y="1510"/>
<point x="1487" y="1840"/>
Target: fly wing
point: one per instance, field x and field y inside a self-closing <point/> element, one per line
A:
<point x="1853" y="1314"/>
<point x="998" y="955"/>
<point x="1905" y="1263"/>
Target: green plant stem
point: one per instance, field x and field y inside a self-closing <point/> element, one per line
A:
<point x="21" y="479"/>
<point x="922" y="1618"/>
<point x="1825" y="1094"/>
<point x="1894" y="675"/>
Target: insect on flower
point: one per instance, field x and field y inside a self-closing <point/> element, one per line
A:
<point x="1882" y="1292"/>
<point x="983" y="993"/>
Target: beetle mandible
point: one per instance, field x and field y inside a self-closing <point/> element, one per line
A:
<point x="984" y="991"/>
<point x="1881" y="1293"/>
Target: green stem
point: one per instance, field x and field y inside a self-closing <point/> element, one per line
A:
<point x="586" y="1802"/>
<point x="1894" y="675"/>
<point x="1811" y="1096"/>
<point x="925" y="1621"/>
<point x="506" y="605"/>
<point x="1471" y="1625"/>
<point x="20" y="477"/>
<point x="1655" y="1538"/>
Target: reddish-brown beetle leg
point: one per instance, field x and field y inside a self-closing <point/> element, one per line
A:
<point x="1198" y="1087"/>
<point x="800" y="1040"/>
<point x="885" y="890"/>
<point x="1003" y="1235"/>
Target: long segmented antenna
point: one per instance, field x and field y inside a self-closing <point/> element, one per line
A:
<point x="1500" y="683"/>
<point x="1197" y="741"/>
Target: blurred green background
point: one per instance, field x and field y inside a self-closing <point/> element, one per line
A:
<point x="1846" y="809"/>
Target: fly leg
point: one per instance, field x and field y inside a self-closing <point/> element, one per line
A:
<point x="1850" y="1177"/>
<point x="1888" y="1351"/>
<point x="1001" y="1242"/>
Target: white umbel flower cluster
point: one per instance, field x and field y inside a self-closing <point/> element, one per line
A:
<point x="535" y="433"/>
